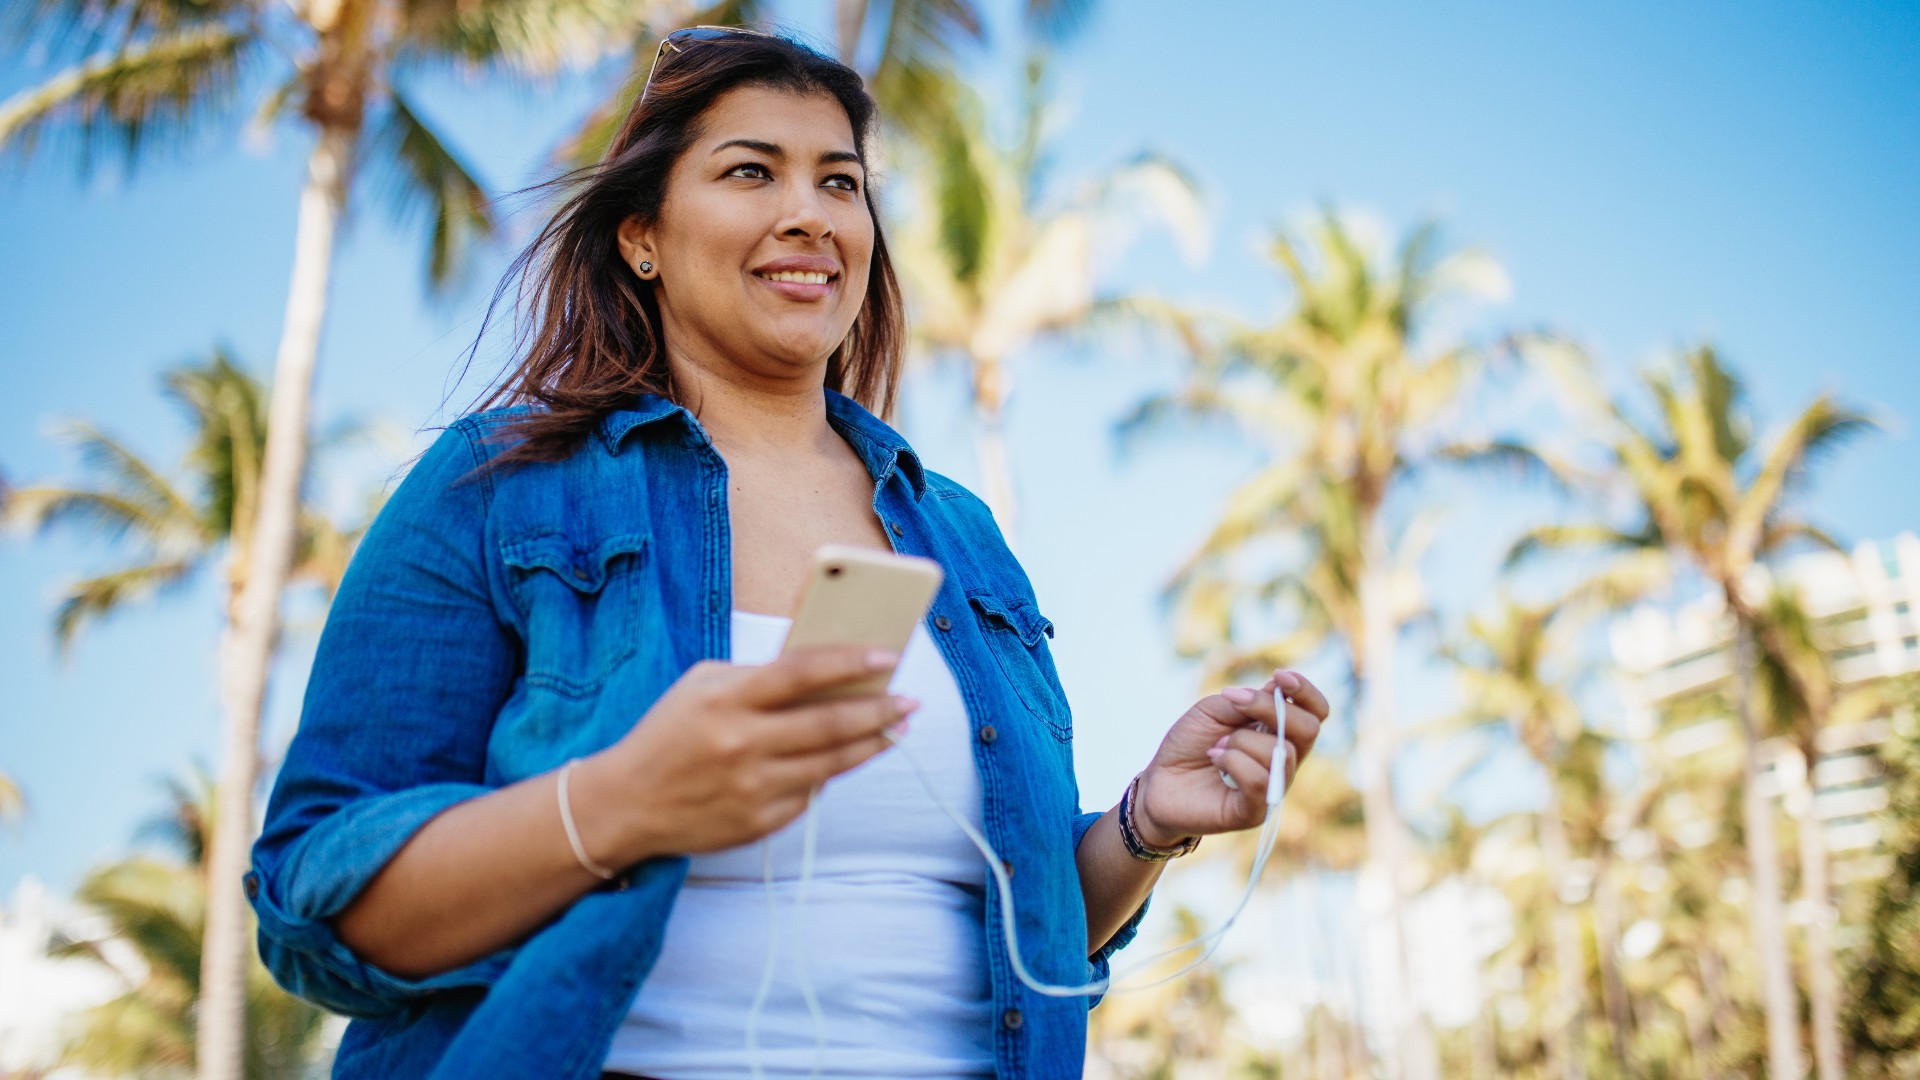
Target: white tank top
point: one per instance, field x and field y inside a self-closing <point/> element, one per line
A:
<point x="891" y="935"/>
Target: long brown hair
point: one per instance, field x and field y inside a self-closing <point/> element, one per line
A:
<point x="597" y="342"/>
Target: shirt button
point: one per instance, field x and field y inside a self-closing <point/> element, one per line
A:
<point x="1012" y="1019"/>
<point x="253" y="885"/>
<point x="941" y="622"/>
<point x="987" y="734"/>
<point x="897" y="530"/>
<point x="579" y="573"/>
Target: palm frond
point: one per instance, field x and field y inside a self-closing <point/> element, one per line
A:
<point x="425" y="178"/>
<point x="1568" y="367"/>
<point x="1823" y="426"/>
<point x="127" y="472"/>
<point x="1775" y="535"/>
<point x="589" y="140"/>
<point x="111" y="515"/>
<point x="154" y="906"/>
<point x="161" y="87"/>
<point x="1517" y="459"/>
<point x="227" y="410"/>
<point x="83" y="27"/>
<point x="1149" y="187"/>
<point x="926" y="34"/>
<point x="13" y="802"/>
<point x="1631" y="576"/>
<point x="1544" y="538"/>
<point x="1053" y="22"/>
<point x="97" y="597"/>
<point x="962" y="202"/>
<point x="540" y="37"/>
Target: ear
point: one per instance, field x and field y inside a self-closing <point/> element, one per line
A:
<point x="636" y="247"/>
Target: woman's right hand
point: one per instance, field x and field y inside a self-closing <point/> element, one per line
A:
<point x="729" y="754"/>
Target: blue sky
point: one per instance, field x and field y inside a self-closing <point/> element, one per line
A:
<point x="1650" y="175"/>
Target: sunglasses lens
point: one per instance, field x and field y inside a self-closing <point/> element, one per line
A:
<point x="703" y="33"/>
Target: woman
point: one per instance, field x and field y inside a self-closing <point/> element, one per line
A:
<point x="521" y="830"/>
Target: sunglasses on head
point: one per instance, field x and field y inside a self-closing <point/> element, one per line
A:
<point x="680" y="40"/>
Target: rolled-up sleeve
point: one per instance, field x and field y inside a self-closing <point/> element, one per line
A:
<point x="411" y="670"/>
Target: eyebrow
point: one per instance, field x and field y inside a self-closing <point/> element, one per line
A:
<point x="773" y="150"/>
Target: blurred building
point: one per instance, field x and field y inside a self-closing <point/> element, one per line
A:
<point x="1865" y="609"/>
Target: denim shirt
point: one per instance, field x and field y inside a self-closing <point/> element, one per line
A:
<point x="493" y="625"/>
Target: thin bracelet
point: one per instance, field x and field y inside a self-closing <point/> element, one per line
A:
<point x="573" y="834"/>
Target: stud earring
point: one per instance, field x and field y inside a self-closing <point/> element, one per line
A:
<point x="646" y="268"/>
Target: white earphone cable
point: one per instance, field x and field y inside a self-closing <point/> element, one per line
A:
<point x="1269" y="832"/>
<point x="1264" y="846"/>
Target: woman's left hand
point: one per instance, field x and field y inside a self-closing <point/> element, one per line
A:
<point x="1181" y="793"/>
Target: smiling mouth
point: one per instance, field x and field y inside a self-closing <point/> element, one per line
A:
<point x="799" y="277"/>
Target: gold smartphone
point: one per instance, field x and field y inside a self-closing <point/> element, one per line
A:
<point x="858" y="596"/>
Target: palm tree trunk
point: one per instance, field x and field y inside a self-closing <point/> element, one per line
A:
<point x="1721" y="1018"/>
<point x="850" y="17"/>
<point x="1763" y="857"/>
<point x="253" y="630"/>
<point x="1414" y="1055"/>
<point x="1569" y="1041"/>
<point x="1699" y="1021"/>
<point x="1613" y="989"/>
<point x="996" y="471"/>
<point x="1823" y="984"/>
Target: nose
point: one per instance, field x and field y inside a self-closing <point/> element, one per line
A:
<point x="803" y="212"/>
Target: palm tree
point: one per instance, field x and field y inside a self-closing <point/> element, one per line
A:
<point x="1322" y="833"/>
<point x="147" y="67"/>
<point x="990" y="267"/>
<point x="1349" y="401"/>
<point x="1175" y="1028"/>
<point x="1709" y="498"/>
<point x="1505" y="666"/>
<point x="1884" y="1017"/>
<point x="1689" y="808"/>
<point x="174" y="529"/>
<point x="154" y="908"/>
<point x="1801" y="696"/>
<point x="13" y="804"/>
<point x="913" y="74"/>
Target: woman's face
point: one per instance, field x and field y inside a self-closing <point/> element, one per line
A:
<point x="763" y="244"/>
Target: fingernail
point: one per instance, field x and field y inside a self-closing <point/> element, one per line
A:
<point x="1239" y="695"/>
<point x="1287" y="679"/>
<point x="881" y="660"/>
<point x="904" y="703"/>
<point x="899" y="728"/>
<point x="1221" y="744"/>
<point x="1214" y="752"/>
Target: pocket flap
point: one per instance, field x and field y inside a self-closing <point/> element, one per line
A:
<point x="1016" y="614"/>
<point x="583" y="567"/>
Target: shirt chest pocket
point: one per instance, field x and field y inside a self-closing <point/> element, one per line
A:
<point x="1016" y="633"/>
<point x="580" y="604"/>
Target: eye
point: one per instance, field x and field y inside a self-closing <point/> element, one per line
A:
<point x="845" y="181"/>
<point x="754" y="166"/>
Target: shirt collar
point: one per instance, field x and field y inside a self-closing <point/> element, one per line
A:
<point x="881" y="448"/>
<point x="647" y="408"/>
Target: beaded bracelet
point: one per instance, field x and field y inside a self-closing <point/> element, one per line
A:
<point x="1139" y="848"/>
